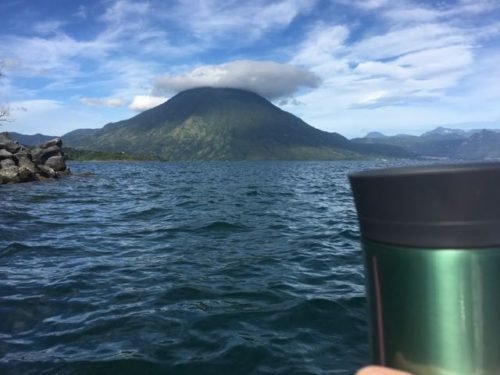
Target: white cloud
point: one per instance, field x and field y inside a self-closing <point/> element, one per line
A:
<point x="365" y="4"/>
<point x="372" y="97"/>
<point x="269" y="79"/>
<point x="122" y="10"/>
<point x="279" y="14"/>
<point x="129" y="32"/>
<point x="410" y="12"/>
<point x="81" y="12"/>
<point x="402" y="64"/>
<point x="117" y="60"/>
<point x="420" y="74"/>
<point x="215" y="19"/>
<point x="476" y="6"/>
<point x="143" y="102"/>
<point x="102" y="102"/>
<point x="129" y="26"/>
<point x="321" y="45"/>
<point x="47" y="27"/>
<point x="55" y="57"/>
<point x="402" y="40"/>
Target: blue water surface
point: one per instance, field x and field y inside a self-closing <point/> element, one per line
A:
<point x="183" y="268"/>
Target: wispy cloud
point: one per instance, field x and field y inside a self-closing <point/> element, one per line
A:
<point x="143" y="102"/>
<point x="409" y="12"/>
<point x="322" y="44"/>
<point x="55" y="57"/>
<point x="399" y="41"/>
<point x="103" y="102"/>
<point x="47" y="27"/>
<point x="401" y="63"/>
<point x="216" y="19"/>
<point x="124" y="10"/>
<point x="118" y="58"/>
<point x="364" y="4"/>
<point x="81" y="12"/>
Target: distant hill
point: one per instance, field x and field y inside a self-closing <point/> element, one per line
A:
<point x="475" y="144"/>
<point x="30" y="140"/>
<point x="446" y="133"/>
<point x="222" y="124"/>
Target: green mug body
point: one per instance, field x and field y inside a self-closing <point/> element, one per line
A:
<point x="434" y="311"/>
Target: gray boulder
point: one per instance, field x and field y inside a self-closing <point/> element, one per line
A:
<point x="9" y="175"/>
<point x="56" y="163"/>
<point x="40" y="155"/>
<point x="47" y="172"/>
<point x="53" y="142"/>
<point x="10" y="146"/>
<point x="24" y="161"/>
<point x="26" y="174"/>
<point x="6" y="163"/>
<point x="4" y="154"/>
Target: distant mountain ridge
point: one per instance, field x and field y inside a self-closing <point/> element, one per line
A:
<point x="30" y="140"/>
<point x="442" y="142"/>
<point x="222" y="124"/>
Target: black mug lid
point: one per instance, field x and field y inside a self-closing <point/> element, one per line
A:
<point x="436" y="206"/>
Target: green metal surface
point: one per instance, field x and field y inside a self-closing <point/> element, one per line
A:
<point x="434" y="311"/>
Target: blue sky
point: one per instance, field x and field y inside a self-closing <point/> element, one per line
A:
<point x="349" y="66"/>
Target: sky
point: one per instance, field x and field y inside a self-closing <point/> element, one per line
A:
<point x="346" y="66"/>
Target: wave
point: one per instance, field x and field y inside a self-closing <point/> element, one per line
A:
<point x="221" y="226"/>
<point x="14" y="248"/>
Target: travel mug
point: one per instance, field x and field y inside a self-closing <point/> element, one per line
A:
<point x="431" y="247"/>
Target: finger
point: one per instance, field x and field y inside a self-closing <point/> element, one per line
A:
<point x="378" y="370"/>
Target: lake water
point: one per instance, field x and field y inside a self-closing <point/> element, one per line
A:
<point x="183" y="268"/>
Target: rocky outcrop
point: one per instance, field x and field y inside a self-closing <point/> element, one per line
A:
<point x="21" y="164"/>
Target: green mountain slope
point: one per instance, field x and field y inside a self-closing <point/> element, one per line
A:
<point x="221" y="124"/>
